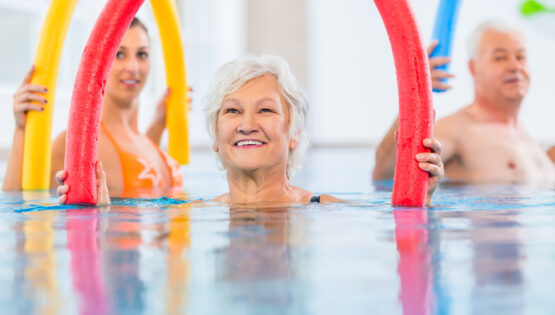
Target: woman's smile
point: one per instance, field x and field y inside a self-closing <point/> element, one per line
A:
<point x="249" y="144"/>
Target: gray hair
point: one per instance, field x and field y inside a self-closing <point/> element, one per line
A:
<point x="234" y="74"/>
<point x="500" y="25"/>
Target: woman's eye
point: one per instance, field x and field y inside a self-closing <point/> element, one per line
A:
<point x="266" y="110"/>
<point x="231" y="111"/>
<point x="143" y="55"/>
<point x="120" y="55"/>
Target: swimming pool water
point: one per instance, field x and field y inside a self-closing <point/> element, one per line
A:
<point x="479" y="250"/>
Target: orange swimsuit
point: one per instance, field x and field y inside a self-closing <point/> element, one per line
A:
<point x="140" y="173"/>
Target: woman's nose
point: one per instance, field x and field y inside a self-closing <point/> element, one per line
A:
<point x="132" y="65"/>
<point x="248" y="124"/>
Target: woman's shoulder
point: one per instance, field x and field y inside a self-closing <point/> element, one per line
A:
<point x="222" y="198"/>
<point x="311" y="197"/>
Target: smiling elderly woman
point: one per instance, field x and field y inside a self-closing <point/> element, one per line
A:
<point x="256" y="115"/>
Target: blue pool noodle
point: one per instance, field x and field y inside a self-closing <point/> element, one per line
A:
<point x="444" y="28"/>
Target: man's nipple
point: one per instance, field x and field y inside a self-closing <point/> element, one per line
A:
<point x="511" y="165"/>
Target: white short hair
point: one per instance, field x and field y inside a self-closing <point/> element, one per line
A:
<point x="501" y="25"/>
<point x="234" y="74"/>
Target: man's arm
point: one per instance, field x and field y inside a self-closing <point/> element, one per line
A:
<point x="386" y="153"/>
<point x="445" y="131"/>
<point x="551" y="153"/>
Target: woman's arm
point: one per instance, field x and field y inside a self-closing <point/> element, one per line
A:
<point x="27" y="98"/>
<point x="158" y="125"/>
<point x="58" y="154"/>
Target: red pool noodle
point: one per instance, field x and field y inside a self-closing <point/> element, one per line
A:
<point x="88" y="98"/>
<point x="415" y="100"/>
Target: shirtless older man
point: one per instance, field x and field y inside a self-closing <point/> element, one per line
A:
<point x="484" y="142"/>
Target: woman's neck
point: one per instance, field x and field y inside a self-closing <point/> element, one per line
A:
<point x="260" y="186"/>
<point x="119" y="115"/>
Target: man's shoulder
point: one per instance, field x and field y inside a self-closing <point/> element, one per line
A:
<point x="454" y="122"/>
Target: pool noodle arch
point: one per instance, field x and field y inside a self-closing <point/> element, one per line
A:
<point x="37" y="145"/>
<point x="415" y="100"/>
<point x="444" y="29"/>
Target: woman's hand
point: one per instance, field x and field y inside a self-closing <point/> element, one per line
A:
<point x="24" y="98"/>
<point x="438" y="75"/>
<point x="161" y="109"/>
<point x="431" y="163"/>
<point x="103" y="198"/>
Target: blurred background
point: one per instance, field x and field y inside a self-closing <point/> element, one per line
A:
<point x="339" y="50"/>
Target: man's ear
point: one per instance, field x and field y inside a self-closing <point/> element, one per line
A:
<point x="472" y="67"/>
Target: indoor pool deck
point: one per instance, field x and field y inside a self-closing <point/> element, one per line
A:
<point x="480" y="250"/>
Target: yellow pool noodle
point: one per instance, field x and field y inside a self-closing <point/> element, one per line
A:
<point x="38" y="127"/>
<point x="165" y="12"/>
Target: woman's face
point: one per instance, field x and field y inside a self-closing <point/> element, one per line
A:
<point x="131" y="66"/>
<point x="252" y="128"/>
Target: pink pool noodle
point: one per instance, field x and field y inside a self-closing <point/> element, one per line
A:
<point x="88" y="98"/>
<point x="415" y="100"/>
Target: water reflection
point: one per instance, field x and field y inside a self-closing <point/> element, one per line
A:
<point x="40" y="266"/>
<point x="415" y="264"/>
<point x="497" y="263"/>
<point x="121" y="258"/>
<point x="179" y="239"/>
<point x="259" y="266"/>
<point x="86" y="260"/>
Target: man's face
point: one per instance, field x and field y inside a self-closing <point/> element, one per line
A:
<point x="500" y="68"/>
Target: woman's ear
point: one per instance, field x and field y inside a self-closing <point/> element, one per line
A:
<point x="215" y="147"/>
<point x="294" y="141"/>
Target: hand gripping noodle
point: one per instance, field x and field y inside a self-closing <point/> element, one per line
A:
<point x="415" y="100"/>
<point x="88" y="96"/>
<point x="165" y="12"/>
<point x="444" y="29"/>
<point x="38" y="127"/>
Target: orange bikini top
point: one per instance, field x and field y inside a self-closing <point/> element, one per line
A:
<point x="140" y="173"/>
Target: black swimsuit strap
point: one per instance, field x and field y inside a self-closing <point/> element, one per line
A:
<point x="315" y="199"/>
